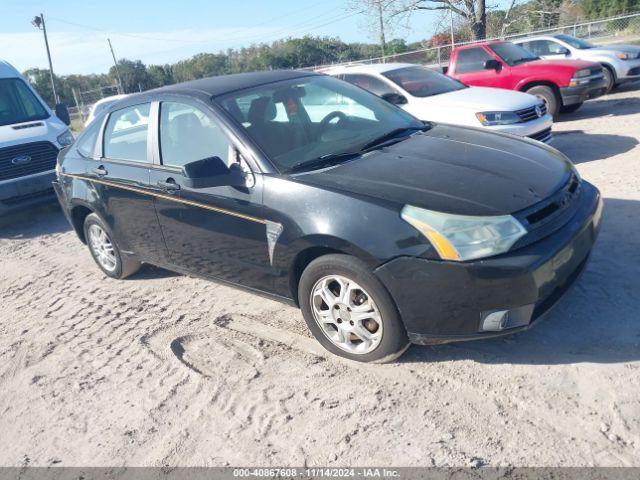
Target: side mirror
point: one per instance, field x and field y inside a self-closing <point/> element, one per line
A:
<point x="395" y="98"/>
<point x="563" y="51"/>
<point x="62" y="112"/>
<point x="493" y="64"/>
<point x="213" y="172"/>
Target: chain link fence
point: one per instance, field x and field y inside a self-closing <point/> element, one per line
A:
<point x="84" y="101"/>
<point x="608" y="30"/>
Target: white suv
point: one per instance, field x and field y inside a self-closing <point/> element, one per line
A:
<point x="432" y="96"/>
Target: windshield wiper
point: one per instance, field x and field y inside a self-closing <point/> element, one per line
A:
<point x="323" y="161"/>
<point x="392" y="135"/>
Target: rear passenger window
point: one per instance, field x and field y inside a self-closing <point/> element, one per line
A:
<point x="471" y="60"/>
<point x="125" y="137"/>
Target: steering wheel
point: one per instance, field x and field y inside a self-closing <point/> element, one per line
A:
<point x="326" y="121"/>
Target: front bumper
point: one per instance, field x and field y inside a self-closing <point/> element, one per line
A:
<point x="24" y="191"/>
<point x="581" y="93"/>
<point x="442" y="301"/>
<point x="628" y="71"/>
<point x="538" y="129"/>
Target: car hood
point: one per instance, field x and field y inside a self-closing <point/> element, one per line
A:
<point x="616" y="48"/>
<point x="33" y="131"/>
<point x="543" y="65"/>
<point x="479" y="99"/>
<point x="459" y="170"/>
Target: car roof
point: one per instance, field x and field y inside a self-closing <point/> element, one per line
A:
<point x="223" y="84"/>
<point x="536" y="37"/>
<point x="8" y="71"/>
<point x="362" y="68"/>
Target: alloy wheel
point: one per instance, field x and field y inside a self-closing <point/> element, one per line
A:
<point x="102" y="248"/>
<point x="346" y="314"/>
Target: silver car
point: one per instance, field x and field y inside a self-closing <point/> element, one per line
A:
<point x="621" y="62"/>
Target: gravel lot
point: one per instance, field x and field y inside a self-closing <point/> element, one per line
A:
<point x="163" y="369"/>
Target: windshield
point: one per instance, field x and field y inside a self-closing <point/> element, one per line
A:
<point x="575" y="42"/>
<point x="422" y="81"/>
<point x="512" y="54"/>
<point x="18" y="103"/>
<point x="300" y="121"/>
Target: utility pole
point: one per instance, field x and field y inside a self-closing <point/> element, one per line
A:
<point x="115" y="64"/>
<point x="38" y="22"/>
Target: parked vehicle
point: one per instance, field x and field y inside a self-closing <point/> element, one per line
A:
<point x="621" y="63"/>
<point x="382" y="228"/>
<point x="432" y="96"/>
<point x="562" y="84"/>
<point x="101" y="105"/>
<point x="30" y="137"/>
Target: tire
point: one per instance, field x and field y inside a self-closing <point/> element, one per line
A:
<point x="609" y="79"/>
<point x="110" y="259"/>
<point x="571" y="108"/>
<point x="367" y="298"/>
<point x="549" y="97"/>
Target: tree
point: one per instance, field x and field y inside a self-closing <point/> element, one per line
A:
<point x="379" y="14"/>
<point x="134" y="75"/>
<point x="473" y="12"/>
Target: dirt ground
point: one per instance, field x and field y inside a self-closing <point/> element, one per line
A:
<point x="163" y="369"/>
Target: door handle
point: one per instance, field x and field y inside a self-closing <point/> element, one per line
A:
<point x="169" y="185"/>
<point x="100" y="171"/>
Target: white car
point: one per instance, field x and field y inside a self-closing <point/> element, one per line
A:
<point x="621" y="62"/>
<point x="432" y="96"/>
<point x="101" y="105"/>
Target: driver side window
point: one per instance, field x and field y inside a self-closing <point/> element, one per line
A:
<point x="187" y="134"/>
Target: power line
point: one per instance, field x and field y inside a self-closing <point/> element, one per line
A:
<point x="178" y="40"/>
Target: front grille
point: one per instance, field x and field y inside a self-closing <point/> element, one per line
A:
<point x="528" y="114"/>
<point x="548" y="216"/>
<point x="542" y="135"/>
<point x="42" y="157"/>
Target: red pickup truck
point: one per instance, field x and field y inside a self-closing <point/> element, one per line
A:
<point x="562" y="84"/>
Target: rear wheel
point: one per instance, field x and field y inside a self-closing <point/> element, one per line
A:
<point x="349" y="311"/>
<point x="105" y="251"/>
<point x="548" y="96"/>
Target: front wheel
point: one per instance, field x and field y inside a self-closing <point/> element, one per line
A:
<point x="349" y="311"/>
<point x="105" y="251"/>
<point x="548" y="96"/>
<point x="609" y="79"/>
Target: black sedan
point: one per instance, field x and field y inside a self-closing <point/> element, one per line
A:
<point x="383" y="229"/>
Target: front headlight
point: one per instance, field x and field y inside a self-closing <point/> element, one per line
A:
<point x="625" y="55"/>
<point x="497" y="118"/>
<point x="66" y="138"/>
<point x="462" y="237"/>
<point x="582" y="73"/>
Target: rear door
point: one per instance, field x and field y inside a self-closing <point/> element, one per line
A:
<point x="470" y="69"/>
<point x="121" y="180"/>
<point x="216" y="231"/>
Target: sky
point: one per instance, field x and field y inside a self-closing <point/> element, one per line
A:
<point x="162" y="31"/>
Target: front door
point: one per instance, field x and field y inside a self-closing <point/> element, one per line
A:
<point x="121" y="180"/>
<point x="216" y="231"/>
<point x="470" y="69"/>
